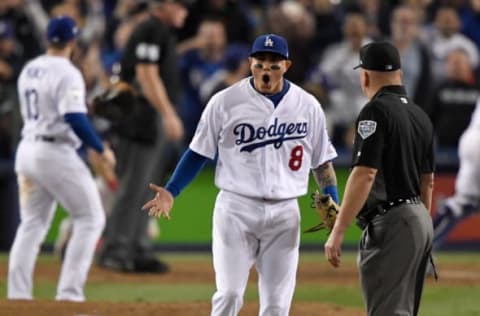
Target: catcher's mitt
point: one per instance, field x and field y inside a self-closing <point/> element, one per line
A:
<point x="327" y="209"/>
<point x="116" y="103"/>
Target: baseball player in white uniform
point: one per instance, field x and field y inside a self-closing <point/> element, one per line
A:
<point x="268" y="134"/>
<point x="52" y="99"/>
<point x="466" y="200"/>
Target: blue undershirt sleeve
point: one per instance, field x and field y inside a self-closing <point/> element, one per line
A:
<point x="187" y="169"/>
<point x="332" y="191"/>
<point x="84" y="130"/>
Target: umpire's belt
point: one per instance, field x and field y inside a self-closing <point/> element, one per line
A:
<point x="384" y="208"/>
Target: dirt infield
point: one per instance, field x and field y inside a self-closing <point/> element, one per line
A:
<point x="202" y="272"/>
<point x="182" y="272"/>
<point x="50" y="308"/>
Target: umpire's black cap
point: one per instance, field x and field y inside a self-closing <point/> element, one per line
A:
<point x="379" y="56"/>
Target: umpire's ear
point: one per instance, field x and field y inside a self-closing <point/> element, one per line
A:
<point x="364" y="78"/>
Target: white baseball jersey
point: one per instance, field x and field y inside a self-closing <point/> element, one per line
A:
<point x="263" y="151"/>
<point x="51" y="171"/>
<point x="48" y="88"/>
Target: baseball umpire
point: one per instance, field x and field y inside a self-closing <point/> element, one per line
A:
<point x="389" y="189"/>
<point x="153" y="133"/>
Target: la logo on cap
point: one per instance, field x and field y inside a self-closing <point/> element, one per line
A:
<point x="268" y="42"/>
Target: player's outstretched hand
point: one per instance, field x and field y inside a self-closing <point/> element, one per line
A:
<point x="173" y="127"/>
<point x="161" y="204"/>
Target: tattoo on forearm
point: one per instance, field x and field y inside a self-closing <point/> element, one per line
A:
<point x="325" y="175"/>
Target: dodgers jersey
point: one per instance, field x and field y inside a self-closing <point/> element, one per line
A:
<point x="48" y="88"/>
<point x="263" y="151"/>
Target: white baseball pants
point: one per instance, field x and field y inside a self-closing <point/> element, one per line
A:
<point x="47" y="173"/>
<point x="467" y="183"/>
<point x="251" y="231"/>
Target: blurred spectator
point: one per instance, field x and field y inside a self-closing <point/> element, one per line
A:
<point x="12" y="11"/>
<point x="236" y="67"/>
<point x="196" y="66"/>
<point x="336" y="74"/>
<point x="470" y="16"/>
<point x="126" y="16"/>
<point x="9" y="134"/>
<point x="293" y="21"/>
<point x="445" y="37"/>
<point x="9" y="214"/>
<point x="89" y="18"/>
<point x="377" y="15"/>
<point x="95" y="77"/>
<point x="454" y="99"/>
<point x="328" y="22"/>
<point x="415" y="58"/>
<point x="10" y="60"/>
<point x="234" y="14"/>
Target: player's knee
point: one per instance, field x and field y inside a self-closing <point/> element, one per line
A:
<point x="274" y="305"/>
<point x="274" y="310"/>
<point x="94" y="221"/>
<point x="228" y="297"/>
<point x="99" y="221"/>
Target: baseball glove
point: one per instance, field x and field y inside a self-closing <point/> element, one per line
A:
<point x="327" y="210"/>
<point x="116" y="103"/>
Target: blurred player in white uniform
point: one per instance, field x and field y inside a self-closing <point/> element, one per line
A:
<point x="466" y="200"/>
<point x="52" y="99"/>
<point x="268" y="134"/>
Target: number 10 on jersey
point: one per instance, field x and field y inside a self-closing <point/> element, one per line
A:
<point x="31" y="102"/>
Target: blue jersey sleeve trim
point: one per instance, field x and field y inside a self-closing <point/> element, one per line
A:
<point x="332" y="191"/>
<point x="187" y="169"/>
<point x="84" y="130"/>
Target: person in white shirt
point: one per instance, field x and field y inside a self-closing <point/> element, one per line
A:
<point x="49" y="170"/>
<point x="268" y="134"/>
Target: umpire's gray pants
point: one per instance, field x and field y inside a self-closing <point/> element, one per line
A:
<point x="138" y="164"/>
<point x="393" y="254"/>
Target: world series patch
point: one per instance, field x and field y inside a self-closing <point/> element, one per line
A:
<point x="366" y="128"/>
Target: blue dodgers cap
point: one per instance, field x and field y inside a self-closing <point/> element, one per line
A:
<point x="270" y="43"/>
<point x="61" y="29"/>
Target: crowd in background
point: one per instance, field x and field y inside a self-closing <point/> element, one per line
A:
<point x="438" y="41"/>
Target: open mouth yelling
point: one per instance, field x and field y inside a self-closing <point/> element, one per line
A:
<point x="266" y="79"/>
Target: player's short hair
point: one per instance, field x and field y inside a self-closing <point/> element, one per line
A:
<point x="57" y="46"/>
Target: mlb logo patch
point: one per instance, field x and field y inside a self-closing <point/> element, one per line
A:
<point x="366" y="128"/>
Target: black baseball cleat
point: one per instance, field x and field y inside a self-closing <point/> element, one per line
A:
<point x="115" y="264"/>
<point x="150" y="265"/>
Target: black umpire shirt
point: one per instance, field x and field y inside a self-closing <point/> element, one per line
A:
<point x="394" y="136"/>
<point x="152" y="42"/>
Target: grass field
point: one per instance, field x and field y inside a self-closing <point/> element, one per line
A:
<point x="320" y="289"/>
<point x="457" y="293"/>
<point x="192" y="214"/>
